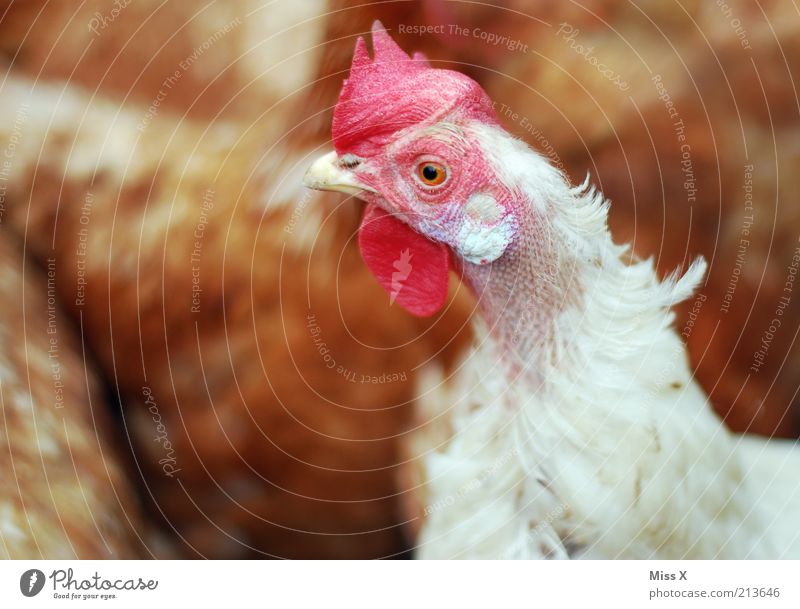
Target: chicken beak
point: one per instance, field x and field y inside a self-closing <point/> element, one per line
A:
<point x="327" y="173"/>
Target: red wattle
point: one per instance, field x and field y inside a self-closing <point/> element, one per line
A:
<point x="412" y="269"/>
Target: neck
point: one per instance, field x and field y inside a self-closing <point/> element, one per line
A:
<point x="522" y="294"/>
<point x="543" y="275"/>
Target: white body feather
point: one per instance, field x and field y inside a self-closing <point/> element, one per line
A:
<point x="602" y="445"/>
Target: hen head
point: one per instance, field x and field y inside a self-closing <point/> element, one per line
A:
<point x="411" y="141"/>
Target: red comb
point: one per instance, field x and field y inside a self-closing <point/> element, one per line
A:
<point x="392" y="91"/>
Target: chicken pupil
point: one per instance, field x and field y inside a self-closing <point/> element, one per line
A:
<point x="430" y="173"/>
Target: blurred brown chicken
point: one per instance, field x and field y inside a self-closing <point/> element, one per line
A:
<point x="64" y="493"/>
<point x="262" y="377"/>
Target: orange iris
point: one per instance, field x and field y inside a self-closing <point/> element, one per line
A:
<point x="431" y="174"/>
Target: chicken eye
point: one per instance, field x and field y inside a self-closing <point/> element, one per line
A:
<point x="431" y="174"/>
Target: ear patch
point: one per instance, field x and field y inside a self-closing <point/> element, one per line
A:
<point x="487" y="230"/>
<point x="483" y="208"/>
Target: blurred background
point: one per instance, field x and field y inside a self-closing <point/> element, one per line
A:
<point x="193" y="356"/>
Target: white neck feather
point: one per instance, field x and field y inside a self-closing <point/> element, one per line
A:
<point x="562" y="296"/>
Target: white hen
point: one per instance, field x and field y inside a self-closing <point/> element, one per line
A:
<point x="575" y="428"/>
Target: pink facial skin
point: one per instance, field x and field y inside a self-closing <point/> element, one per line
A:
<point x="443" y="213"/>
